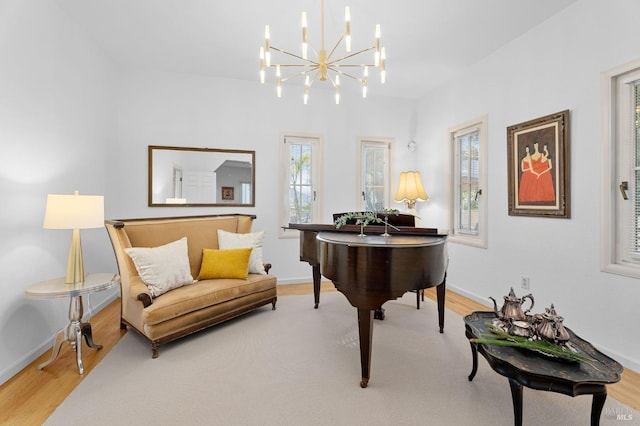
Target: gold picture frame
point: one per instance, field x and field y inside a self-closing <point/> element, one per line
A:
<point x="538" y="167"/>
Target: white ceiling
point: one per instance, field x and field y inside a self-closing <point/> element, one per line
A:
<point x="426" y="41"/>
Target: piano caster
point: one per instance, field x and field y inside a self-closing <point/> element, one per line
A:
<point x="379" y="315"/>
<point x="364" y="383"/>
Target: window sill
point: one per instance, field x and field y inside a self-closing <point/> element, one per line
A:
<point x="631" y="271"/>
<point x="468" y="240"/>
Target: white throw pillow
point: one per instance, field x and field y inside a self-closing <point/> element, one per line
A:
<point x="163" y="268"/>
<point x="231" y="240"/>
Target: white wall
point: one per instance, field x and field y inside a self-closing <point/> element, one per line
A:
<point x="554" y="67"/>
<point x="70" y="120"/>
<point x="55" y="124"/>
<point x="157" y="108"/>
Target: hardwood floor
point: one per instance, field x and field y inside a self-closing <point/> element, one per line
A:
<point x="32" y="395"/>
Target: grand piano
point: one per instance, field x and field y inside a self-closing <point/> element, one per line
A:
<point x="372" y="269"/>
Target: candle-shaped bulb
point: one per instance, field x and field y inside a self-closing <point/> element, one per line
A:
<point x="347" y="31"/>
<point x="262" y="66"/>
<point x="267" y="46"/>
<point x="304" y="35"/>
<point x="383" y="69"/>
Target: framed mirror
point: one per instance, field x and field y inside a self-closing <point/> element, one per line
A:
<point x="189" y="177"/>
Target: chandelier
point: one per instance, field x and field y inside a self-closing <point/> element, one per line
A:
<point x="330" y="66"/>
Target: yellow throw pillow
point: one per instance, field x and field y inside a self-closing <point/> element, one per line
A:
<point x="232" y="263"/>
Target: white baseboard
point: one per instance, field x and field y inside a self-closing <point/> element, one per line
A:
<point x="627" y="362"/>
<point x="299" y="280"/>
<point x="45" y="346"/>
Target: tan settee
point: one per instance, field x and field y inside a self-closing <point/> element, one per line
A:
<point x="189" y="308"/>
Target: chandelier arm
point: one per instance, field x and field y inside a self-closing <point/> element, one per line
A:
<point x="313" y="65"/>
<point x="351" y="55"/>
<point x="337" y="44"/>
<point x="293" y="54"/>
<point x="335" y="65"/>
<point x="346" y="74"/>
<point x="322" y="14"/>
<point x="315" y="51"/>
<point x="332" y="81"/>
<point x="315" y="77"/>
<point x="299" y="74"/>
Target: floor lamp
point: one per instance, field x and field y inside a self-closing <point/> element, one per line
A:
<point x="410" y="190"/>
<point x="74" y="212"/>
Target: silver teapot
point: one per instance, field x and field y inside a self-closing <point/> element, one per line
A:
<point x="512" y="308"/>
<point x="549" y="326"/>
<point x="520" y="328"/>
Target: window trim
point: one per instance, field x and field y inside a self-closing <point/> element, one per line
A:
<point x="610" y="218"/>
<point x="317" y="162"/>
<point x="390" y="144"/>
<point x="481" y="239"/>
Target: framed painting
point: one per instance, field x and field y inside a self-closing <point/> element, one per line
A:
<point x="538" y="166"/>
<point x="227" y="192"/>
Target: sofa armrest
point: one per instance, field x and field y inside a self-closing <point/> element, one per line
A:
<point x="138" y="290"/>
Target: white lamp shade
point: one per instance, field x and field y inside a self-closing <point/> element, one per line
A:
<point x="410" y="188"/>
<point x="74" y="211"/>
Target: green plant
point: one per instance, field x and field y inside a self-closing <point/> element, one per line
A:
<point x="500" y="337"/>
<point x="364" y="218"/>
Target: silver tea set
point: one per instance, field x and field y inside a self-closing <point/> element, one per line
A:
<point x="518" y="322"/>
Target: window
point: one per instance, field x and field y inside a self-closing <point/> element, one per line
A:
<point x="621" y="185"/>
<point x="300" y="180"/>
<point x="374" y="191"/>
<point x="468" y="221"/>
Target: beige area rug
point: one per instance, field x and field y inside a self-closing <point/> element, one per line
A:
<point x="301" y="366"/>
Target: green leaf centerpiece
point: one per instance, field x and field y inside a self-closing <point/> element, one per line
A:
<point x="500" y="337"/>
<point x="364" y="218"/>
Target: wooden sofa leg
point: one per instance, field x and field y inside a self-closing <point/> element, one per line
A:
<point x="155" y="350"/>
<point x="123" y="325"/>
<point x="273" y="303"/>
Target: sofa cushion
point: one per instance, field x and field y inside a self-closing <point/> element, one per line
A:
<point x="232" y="263"/>
<point x="231" y="240"/>
<point x="201" y="232"/>
<point x="162" y="268"/>
<point x="204" y="294"/>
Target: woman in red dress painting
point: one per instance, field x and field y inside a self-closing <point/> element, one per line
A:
<point x="536" y="184"/>
<point x="527" y="188"/>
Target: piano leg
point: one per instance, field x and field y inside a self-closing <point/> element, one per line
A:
<point x="316" y="284"/>
<point x="379" y="314"/>
<point x="440" y="293"/>
<point x="365" y="328"/>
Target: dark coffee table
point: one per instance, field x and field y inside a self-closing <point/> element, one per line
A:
<point x="535" y="371"/>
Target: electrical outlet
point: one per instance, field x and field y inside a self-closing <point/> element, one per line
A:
<point x="524" y="282"/>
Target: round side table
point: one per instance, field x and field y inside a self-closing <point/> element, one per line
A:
<point x="74" y="331"/>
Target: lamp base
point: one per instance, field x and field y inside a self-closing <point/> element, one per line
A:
<point x="75" y="264"/>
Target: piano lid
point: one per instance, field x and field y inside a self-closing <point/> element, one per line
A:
<point x="400" y="241"/>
